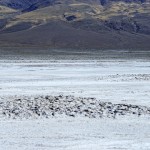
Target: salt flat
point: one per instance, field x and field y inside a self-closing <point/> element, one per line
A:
<point x="116" y="81"/>
<point x="75" y="134"/>
<point x="122" y="78"/>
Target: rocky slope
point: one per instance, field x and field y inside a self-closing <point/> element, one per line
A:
<point x="106" y="24"/>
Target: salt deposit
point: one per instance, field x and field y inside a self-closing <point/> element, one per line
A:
<point x="54" y="106"/>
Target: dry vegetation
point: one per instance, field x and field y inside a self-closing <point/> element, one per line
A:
<point x="85" y="10"/>
<point x="5" y="11"/>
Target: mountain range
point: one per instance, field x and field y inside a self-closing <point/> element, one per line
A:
<point x="97" y="24"/>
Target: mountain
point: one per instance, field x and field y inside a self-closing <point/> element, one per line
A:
<point x="18" y="4"/>
<point x="101" y="24"/>
<point x="25" y="4"/>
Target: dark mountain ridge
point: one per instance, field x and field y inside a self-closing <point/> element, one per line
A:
<point x="24" y="4"/>
<point x="119" y="24"/>
<point x="18" y="4"/>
